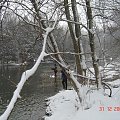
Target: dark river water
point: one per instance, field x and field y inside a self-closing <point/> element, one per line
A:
<point x="39" y="87"/>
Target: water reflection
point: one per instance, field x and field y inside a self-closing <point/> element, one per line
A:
<point x="36" y="89"/>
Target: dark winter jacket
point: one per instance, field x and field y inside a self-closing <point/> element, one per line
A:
<point x="63" y="75"/>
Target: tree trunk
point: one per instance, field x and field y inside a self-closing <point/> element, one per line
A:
<point x="73" y="36"/>
<point x="92" y="44"/>
<point x="78" y="35"/>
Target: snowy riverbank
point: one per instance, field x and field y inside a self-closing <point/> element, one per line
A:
<point x="96" y="106"/>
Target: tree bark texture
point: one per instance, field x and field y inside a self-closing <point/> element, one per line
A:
<point x="73" y="36"/>
<point x="78" y="35"/>
<point x="92" y="44"/>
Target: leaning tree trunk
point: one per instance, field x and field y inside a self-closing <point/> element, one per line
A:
<point x="92" y="44"/>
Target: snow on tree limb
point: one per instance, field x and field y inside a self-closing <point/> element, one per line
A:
<point x="25" y="76"/>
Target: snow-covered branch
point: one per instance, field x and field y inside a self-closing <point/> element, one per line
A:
<point x="70" y="53"/>
<point x="25" y="76"/>
<point x="79" y="23"/>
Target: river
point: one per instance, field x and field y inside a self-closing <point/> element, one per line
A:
<point x="39" y="87"/>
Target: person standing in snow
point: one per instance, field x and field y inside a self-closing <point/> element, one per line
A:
<point x="64" y="79"/>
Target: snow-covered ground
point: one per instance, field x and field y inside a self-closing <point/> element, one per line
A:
<point x="96" y="106"/>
